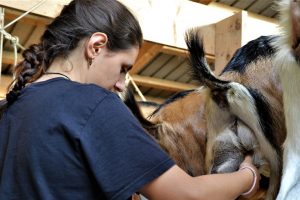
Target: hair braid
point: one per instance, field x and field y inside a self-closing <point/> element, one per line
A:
<point x="27" y="71"/>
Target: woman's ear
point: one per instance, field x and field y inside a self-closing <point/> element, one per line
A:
<point x="95" y="43"/>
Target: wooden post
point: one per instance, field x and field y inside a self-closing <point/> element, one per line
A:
<point x="229" y="37"/>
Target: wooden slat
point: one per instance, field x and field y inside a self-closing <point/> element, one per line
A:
<point x="174" y="51"/>
<point x="156" y="64"/>
<point x="161" y="83"/>
<point x="179" y="72"/>
<point x="169" y="67"/>
<point x="184" y="52"/>
<point x="147" y="53"/>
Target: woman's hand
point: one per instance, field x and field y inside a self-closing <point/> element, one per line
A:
<point x="248" y="165"/>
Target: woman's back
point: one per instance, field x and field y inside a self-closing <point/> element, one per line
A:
<point x="41" y="135"/>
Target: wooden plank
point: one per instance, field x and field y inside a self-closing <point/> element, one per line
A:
<point x="147" y="53"/>
<point x="179" y="72"/>
<point x="161" y="83"/>
<point x="156" y="64"/>
<point x="168" y="67"/>
<point x="208" y="34"/>
<point x="228" y="39"/>
<point x="209" y="54"/>
<point x="174" y="51"/>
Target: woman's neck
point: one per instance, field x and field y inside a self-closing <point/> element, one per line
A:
<point x="71" y="68"/>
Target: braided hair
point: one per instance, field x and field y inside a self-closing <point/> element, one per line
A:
<point x="78" y="20"/>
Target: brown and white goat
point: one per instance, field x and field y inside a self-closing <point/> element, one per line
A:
<point x="179" y="125"/>
<point x="288" y="66"/>
<point x="239" y="116"/>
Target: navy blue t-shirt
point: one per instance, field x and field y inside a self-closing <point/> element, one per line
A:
<point x="62" y="140"/>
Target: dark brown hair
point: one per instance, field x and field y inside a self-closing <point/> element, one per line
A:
<point x="78" y="20"/>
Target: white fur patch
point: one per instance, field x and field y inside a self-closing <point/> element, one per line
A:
<point x="289" y="72"/>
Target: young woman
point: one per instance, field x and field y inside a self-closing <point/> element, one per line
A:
<point x="65" y="135"/>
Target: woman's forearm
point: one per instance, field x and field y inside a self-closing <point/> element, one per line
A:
<point x="224" y="186"/>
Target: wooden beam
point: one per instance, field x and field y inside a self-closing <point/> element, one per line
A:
<point x="161" y="83"/>
<point x="228" y="39"/>
<point x="174" y="51"/>
<point x="183" y="53"/>
<point x="208" y="34"/>
<point x="147" y="53"/>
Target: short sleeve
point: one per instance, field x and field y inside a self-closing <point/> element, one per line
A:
<point x="119" y="153"/>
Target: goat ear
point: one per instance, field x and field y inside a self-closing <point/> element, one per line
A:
<point x="295" y="20"/>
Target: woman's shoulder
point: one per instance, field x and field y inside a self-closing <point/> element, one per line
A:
<point x="65" y="93"/>
<point x="68" y="89"/>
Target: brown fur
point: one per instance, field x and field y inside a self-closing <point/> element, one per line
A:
<point x="181" y="126"/>
<point x="181" y="132"/>
<point x="262" y="76"/>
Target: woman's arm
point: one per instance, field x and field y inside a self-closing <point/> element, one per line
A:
<point x="176" y="184"/>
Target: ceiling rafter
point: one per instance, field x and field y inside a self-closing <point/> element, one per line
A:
<point x="147" y="53"/>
